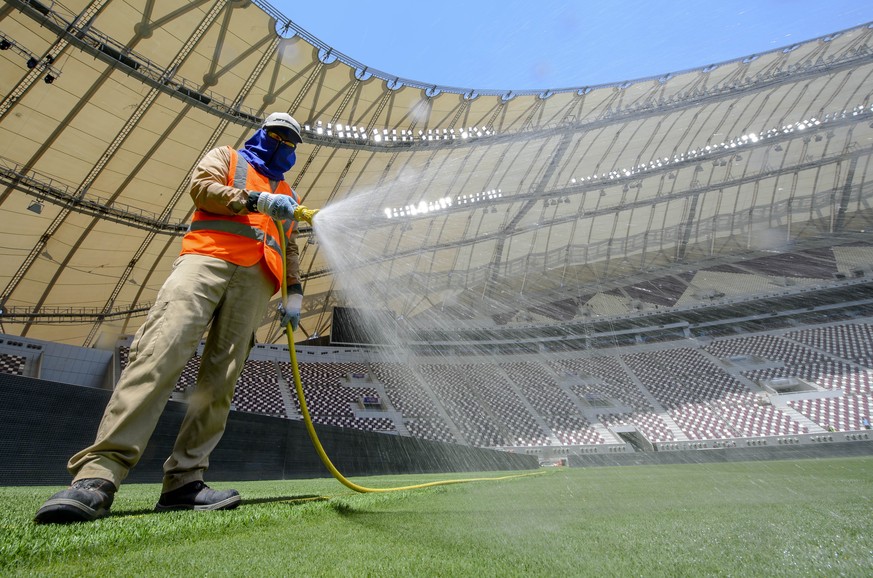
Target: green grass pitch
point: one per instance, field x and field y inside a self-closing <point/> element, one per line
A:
<point x="781" y="518"/>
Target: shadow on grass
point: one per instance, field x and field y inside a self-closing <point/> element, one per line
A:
<point x="131" y="513"/>
<point x="345" y="510"/>
<point x="292" y="500"/>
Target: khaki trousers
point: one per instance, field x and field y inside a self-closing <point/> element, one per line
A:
<point x="199" y="290"/>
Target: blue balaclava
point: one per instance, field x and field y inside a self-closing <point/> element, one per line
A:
<point x="268" y="156"/>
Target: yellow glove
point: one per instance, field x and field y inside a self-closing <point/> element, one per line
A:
<point x="301" y="213"/>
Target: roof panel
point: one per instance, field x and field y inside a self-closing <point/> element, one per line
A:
<point x="604" y="182"/>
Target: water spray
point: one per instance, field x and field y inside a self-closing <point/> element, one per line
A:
<point x="310" y="428"/>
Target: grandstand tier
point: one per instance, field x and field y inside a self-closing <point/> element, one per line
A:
<point x="787" y="384"/>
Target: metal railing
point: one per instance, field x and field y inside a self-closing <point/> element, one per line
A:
<point x="60" y="193"/>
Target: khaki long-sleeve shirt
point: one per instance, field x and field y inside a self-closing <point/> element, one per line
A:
<point x="211" y="194"/>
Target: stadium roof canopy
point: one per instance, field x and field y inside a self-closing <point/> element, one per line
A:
<point x="485" y="207"/>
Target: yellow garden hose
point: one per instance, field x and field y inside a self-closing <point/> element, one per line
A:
<point x="307" y="419"/>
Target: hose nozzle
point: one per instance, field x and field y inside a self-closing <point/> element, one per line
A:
<point x="301" y="213"/>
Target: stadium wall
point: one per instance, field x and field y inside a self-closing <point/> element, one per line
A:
<point x="709" y="456"/>
<point x="43" y="423"/>
<point x="59" y="362"/>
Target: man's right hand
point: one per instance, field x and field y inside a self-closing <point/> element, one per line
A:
<point x="276" y="206"/>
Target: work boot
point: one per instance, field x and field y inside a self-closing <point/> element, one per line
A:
<point x="197" y="496"/>
<point x="84" y="501"/>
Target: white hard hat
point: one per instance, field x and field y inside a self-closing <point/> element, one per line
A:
<point x="285" y="121"/>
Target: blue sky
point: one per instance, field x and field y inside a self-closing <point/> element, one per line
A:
<point x="550" y="44"/>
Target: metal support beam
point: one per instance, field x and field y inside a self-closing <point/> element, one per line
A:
<point x="846" y="195"/>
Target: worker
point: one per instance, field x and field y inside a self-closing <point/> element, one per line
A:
<point x="229" y="268"/>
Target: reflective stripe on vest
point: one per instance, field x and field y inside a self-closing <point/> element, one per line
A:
<point x="224" y="226"/>
<point x="240" y="229"/>
<point x="241" y="173"/>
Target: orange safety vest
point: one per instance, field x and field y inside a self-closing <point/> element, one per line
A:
<point x="241" y="239"/>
